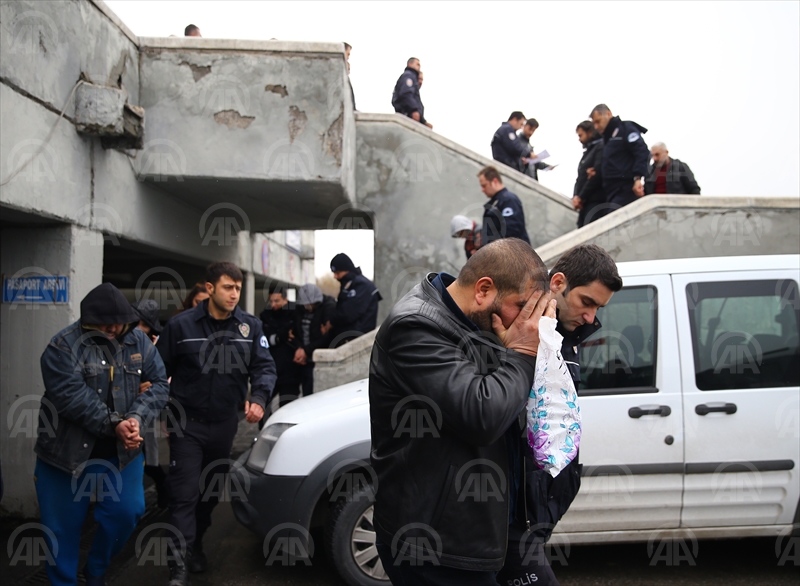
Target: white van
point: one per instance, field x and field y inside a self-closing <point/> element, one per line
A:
<point x="690" y="399"/>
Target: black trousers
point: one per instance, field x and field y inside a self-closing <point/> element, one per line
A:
<point x="308" y="380"/>
<point x="427" y="574"/>
<point x="199" y="459"/>
<point x="526" y="562"/>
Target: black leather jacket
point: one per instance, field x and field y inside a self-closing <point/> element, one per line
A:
<point x="441" y="396"/>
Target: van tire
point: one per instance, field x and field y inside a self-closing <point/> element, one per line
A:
<point x="339" y="537"/>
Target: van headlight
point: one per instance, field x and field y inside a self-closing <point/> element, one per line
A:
<point x="264" y="443"/>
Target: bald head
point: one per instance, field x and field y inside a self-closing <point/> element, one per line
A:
<point x="511" y="264"/>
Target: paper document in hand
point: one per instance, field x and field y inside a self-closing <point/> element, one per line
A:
<point x="540" y="157"/>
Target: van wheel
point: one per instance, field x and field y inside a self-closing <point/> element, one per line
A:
<point x="350" y="541"/>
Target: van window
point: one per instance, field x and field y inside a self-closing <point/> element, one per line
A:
<point x="622" y="354"/>
<point x="744" y="334"/>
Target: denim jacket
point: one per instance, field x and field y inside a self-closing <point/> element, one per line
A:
<point x="79" y="371"/>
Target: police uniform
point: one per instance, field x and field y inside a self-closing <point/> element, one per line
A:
<point x="625" y="156"/>
<point x="503" y="218"/>
<point x="210" y="362"/>
<point x="406" y="99"/>
<point x="507" y="147"/>
<point x="356" y="307"/>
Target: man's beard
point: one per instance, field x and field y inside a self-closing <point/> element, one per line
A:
<point x="483" y="319"/>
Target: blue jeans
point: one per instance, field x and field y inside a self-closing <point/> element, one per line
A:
<point x="64" y="501"/>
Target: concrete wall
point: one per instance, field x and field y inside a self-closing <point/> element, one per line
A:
<point x="25" y="330"/>
<point x="688" y="226"/>
<point x="413" y="181"/>
<point x="345" y="364"/>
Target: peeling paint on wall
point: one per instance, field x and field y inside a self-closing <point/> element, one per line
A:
<point x="232" y="119"/>
<point x="332" y="140"/>
<point x="277" y="89"/>
<point x="297" y="122"/>
<point x="198" y="71"/>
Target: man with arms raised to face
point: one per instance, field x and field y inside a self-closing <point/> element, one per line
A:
<point x="450" y="370"/>
<point x="210" y="351"/>
<point x="582" y="281"/>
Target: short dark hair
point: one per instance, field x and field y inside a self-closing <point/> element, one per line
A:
<point x="490" y="174"/>
<point x="532" y="123"/>
<point x="516" y="115"/>
<point x="586" y="126"/>
<point x="600" y="109"/>
<point x="216" y="270"/>
<point x="510" y="262"/>
<point x="190" y="29"/>
<point x="587" y="263"/>
<point x="411" y="60"/>
<point x="280" y="290"/>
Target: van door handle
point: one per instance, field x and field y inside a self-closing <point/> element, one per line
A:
<point x="727" y="408"/>
<point x="637" y="412"/>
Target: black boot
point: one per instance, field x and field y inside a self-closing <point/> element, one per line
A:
<point x="178" y="574"/>
<point x="197" y="561"/>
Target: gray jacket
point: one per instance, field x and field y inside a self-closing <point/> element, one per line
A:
<point x="79" y="369"/>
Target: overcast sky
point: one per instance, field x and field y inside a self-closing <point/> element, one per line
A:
<point x="719" y="82"/>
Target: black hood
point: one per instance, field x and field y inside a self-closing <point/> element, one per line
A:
<point x="105" y="304"/>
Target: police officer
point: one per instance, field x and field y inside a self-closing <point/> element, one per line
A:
<point x="506" y="146"/>
<point x="406" y="99"/>
<point x="210" y="351"/>
<point x="502" y="214"/>
<point x="278" y="322"/>
<point x="357" y="305"/>
<point x="525" y="166"/>
<point x="625" y="158"/>
<point x="588" y="192"/>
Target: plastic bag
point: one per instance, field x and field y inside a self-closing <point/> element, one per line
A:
<point x="553" y="414"/>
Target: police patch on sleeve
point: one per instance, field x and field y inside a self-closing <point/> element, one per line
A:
<point x="512" y="136"/>
<point x="508" y="212"/>
<point x="409" y="83"/>
<point x="633" y="137"/>
<point x="263" y="341"/>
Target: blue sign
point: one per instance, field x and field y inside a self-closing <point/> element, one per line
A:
<point x="36" y="289"/>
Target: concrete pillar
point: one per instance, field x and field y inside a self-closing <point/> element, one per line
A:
<point x="249" y="292"/>
<point x="25" y="330"/>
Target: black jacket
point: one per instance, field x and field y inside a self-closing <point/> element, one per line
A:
<point x="507" y="147"/>
<point x="356" y="308"/>
<point x="323" y="313"/>
<point x="528" y="169"/>
<point x="503" y="217"/>
<point x="210" y="362"/>
<point x="442" y="395"/>
<point x="276" y="325"/>
<point x="590" y="190"/>
<point x="625" y="155"/>
<point x="680" y="179"/>
<point x="406" y="99"/>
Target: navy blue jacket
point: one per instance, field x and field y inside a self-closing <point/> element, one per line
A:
<point x="210" y="362"/>
<point x="625" y="154"/>
<point x="507" y="148"/>
<point x="356" y="308"/>
<point x="503" y="218"/>
<point x="406" y="99"/>
<point x="79" y="372"/>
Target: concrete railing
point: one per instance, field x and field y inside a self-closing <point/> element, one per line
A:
<point x="345" y="364"/>
<point x="689" y="226"/>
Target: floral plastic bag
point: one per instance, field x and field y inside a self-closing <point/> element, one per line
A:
<point x="554" y="417"/>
